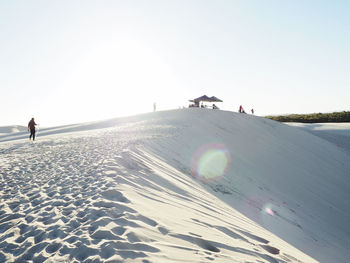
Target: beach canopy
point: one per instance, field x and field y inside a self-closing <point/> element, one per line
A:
<point x="206" y="99"/>
<point x="215" y="99"/>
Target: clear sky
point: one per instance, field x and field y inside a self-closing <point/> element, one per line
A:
<point x="67" y="62"/>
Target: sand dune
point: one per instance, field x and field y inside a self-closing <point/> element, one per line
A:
<point x="11" y="129"/>
<point x="140" y="189"/>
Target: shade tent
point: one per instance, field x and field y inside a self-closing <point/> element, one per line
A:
<point x="215" y="99"/>
<point x="202" y="98"/>
<point x="206" y="99"/>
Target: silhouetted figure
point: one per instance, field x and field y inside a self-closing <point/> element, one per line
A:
<point x="31" y="127"/>
<point x="241" y="110"/>
<point x="252" y="111"/>
<point x="154" y="106"/>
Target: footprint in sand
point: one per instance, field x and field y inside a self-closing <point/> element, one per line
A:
<point x="52" y="248"/>
<point x="270" y="249"/>
<point x="40" y="237"/>
<point x="115" y="195"/>
<point x="254" y="237"/>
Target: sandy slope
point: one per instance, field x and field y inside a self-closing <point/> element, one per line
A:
<point x="4" y="130"/>
<point x="169" y="187"/>
<point x="336" y="133"/>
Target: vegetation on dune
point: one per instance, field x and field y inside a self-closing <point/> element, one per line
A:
<point x="343" y="116"/>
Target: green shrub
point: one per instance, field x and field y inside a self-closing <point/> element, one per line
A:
<point x="314" y="117"/>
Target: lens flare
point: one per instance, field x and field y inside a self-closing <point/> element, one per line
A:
<point x="267" y="209"/>
<point x="210" y="162"/>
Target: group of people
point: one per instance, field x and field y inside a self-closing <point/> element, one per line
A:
<point x="241" y="110"/>
<point x="202" y="105"/>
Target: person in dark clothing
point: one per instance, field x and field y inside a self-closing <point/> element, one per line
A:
<point x="31" y="127"/>
<point x="241" y="110"/>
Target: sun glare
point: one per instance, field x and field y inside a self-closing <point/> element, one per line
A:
<point x="116" y="79"/>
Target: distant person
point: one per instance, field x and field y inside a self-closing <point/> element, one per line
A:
<point x="31" y="128"/>
<point x="252" y="111"/>
<point x="154" y="106"/>
<point x="241" y="110"/>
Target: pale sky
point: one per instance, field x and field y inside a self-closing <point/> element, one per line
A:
<point x="66" y="62"/>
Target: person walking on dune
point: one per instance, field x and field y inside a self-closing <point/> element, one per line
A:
<point x="31" y="127"/>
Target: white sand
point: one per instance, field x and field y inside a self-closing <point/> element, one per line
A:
<point x="127" y="190"/>
<point x="336" y="133"/>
